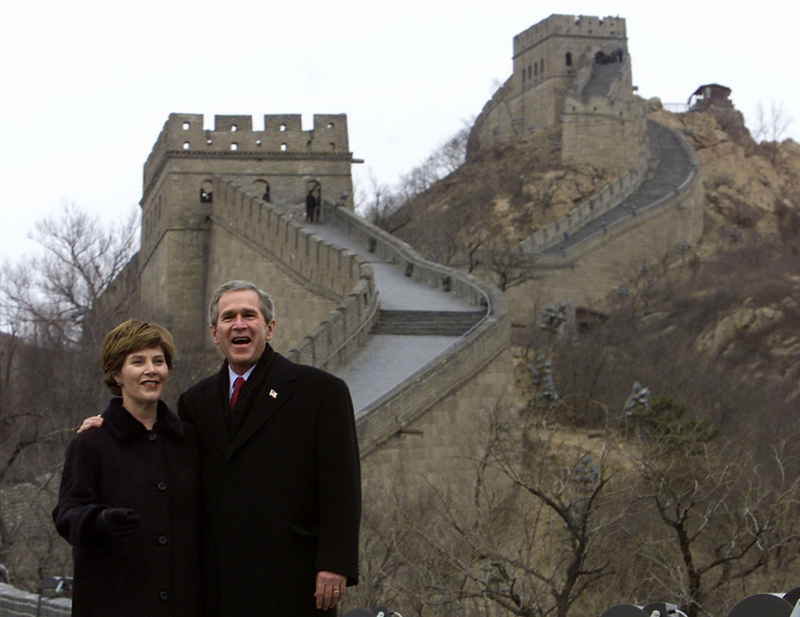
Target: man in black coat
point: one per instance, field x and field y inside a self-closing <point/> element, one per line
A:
<point x="280" y="474"/>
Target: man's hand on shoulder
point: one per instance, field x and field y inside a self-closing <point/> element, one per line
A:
<point x="91" y="422"/>
<point x="330" y="589"/>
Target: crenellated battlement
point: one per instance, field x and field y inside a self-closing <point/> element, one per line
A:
<point x="282" y="133"/>
<point x="233" y="136"/>
<point x="572" y="26"/>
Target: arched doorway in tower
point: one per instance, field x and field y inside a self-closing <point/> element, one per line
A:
<point x="263" y="190"/>
<point x="206" y="197"/>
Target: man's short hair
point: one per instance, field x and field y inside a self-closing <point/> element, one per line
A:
<point x="267" y="307"/>
<point x="129" y="337"/>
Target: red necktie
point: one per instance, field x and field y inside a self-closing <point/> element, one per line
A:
<point x="237" y="386"/>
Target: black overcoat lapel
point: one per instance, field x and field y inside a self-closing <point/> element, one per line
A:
<point x="269" y="388"/>
<point x="213" y="424"/>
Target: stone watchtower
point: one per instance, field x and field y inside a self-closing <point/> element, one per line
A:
<point x="182" y="238"/>
<point x="571" y="72"/>
<point x="548" y="55"/>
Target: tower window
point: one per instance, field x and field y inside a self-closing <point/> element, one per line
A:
<point x="282" y="128"/>
<point x="234" y="128"/>
<point x="569" y="58"/>
<point x="185" y="126"/>
<point x="330" y="126"/>
<point x="284" y="147"/>
<point x="234" y="146"/>
<point x="185" y="145"/>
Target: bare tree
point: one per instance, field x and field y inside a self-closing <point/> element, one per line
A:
<point x="530" y="534"/>
<point x="82" y="259"/>
<point x="771" y="126"/>
<point x="444" y="160"/>
<point x="381" y="203"/>
<point x="452" y="153"/>
<point x="54" y="311"/>
<point x="505" y="265"/>
<point x="568" y="519"/>
<point x="723" y="518"/>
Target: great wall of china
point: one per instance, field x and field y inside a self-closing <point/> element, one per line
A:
<point x="221" y="204"/>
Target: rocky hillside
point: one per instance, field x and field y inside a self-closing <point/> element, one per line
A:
<point x="749" y="250"/>
<point x="718" y="325"/>
<point x="755" y="187"/>
<point x="711" y="332"/>
<point x="500" y="197"/>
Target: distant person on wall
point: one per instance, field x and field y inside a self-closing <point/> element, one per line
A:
<point x="129" y="496"/>
<point x="281" y="488"/>
<point x="311" y="207"/>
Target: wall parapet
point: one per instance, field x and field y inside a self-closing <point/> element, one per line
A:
<point x="326" y="269"/>
<point x="16" y="602"/>
<point x="283" y="135"/>
<point x="598" y="204"/>
<point x="687" y="194"/>
<point x="397" y="409"/>
<point x="583" y="26"/>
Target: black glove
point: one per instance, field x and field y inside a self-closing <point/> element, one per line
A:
<point x="114" y="523"/>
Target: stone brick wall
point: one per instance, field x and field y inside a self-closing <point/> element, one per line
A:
<point x="17" y="603"/>
<point x="590" y="270"/>
<point x="431" y="421"/>
<point x="434" y="447"/>
<point x="322" y="293"/>
<point x="214" y="208"/>
<point x="605" y="132"/>
<point x="609" y="197"/>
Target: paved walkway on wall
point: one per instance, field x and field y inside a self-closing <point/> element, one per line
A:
<point x="603" y="76"/>
<point x="673" y="167"/>
<point x="386" y="360"/>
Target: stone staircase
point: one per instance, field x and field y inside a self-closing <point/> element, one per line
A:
<point x="427" y="323"/>
<point x="603" y="78"/>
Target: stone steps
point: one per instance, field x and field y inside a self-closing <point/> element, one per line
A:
<point x="603" y="77"/>
<point x="426" y="323"/>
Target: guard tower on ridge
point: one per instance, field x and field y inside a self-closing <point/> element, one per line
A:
<point x="182" y="241"/>
<point x="571" y="73"/>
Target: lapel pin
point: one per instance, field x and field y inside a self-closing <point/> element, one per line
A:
<point x="273" y="394"/>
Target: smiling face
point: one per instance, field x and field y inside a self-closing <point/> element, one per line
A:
<point x="142" y="378"/>
<point x="241" y="331"/>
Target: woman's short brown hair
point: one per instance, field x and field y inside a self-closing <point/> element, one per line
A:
<point x="128" y="337"/>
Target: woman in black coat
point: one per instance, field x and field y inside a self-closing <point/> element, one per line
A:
<point x="129" y="497"/>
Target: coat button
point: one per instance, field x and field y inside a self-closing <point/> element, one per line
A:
<point x="162" y="540"/>
<point x="152" y="437"/>
<point x="162" y="486"/>
<point x="163" y="595"/>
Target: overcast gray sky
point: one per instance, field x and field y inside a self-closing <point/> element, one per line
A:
<point x="88" y="84"/>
